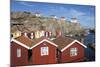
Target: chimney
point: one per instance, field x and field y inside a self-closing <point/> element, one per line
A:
<point x="58" y="32"/>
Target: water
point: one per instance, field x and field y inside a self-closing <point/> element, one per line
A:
<point x="89" y="53"/>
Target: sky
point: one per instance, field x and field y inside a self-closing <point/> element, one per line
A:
<point x="84" y="13"/>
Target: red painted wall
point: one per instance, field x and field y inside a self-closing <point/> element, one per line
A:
<point x="48" y="59"/>
<point x="65" y="55"/>
<point x="23" y="60"/>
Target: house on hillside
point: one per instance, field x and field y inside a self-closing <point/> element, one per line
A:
<point x="69" y="50"/>
<point x="63" y="18"/>
<point x="58" y="32"/>
<point x="53" y="17"/>
<point x="15" y="34"/>
<point x="30" y="35"/>
<point x="37" y="34"/>
<point x="42" y="33"/>
<point x="37" y="14"/>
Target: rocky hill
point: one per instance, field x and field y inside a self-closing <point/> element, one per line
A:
<point x="26" y="21"/>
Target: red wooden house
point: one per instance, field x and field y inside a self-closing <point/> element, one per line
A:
<point x="20" y="51"/>
<point x="25" y="51"/>
<point x="69" y="50"/>
<point x="44" y="51"/>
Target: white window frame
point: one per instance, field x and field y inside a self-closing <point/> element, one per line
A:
<point x="18" y="53"/>
<point x="44" y="51"/>
<point x="73" y="51"/>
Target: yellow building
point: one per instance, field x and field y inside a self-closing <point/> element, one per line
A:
<point x="16" y="34"/>
<point x="37" y="34"/>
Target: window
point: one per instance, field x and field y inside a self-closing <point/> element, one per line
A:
<point x="44" y="51"/>
<point x="73" y="52"/>
<point x="18" y="52"/>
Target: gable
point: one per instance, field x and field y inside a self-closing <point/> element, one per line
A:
<point x="72" y="43"/>
<point x="45" y="40"/>
<point x="19" y="43"/>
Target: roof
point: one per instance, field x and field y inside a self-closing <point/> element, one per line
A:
<point x="42" y="39"/>
<point x="75" y="37"/>
<point x="65" y="42"/>
<point x="62" y="41"/>
<point x="29" y="44"/>
<point x="23" y="41"/>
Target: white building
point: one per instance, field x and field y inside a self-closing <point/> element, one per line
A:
<point x="38" y="14"/>
<point x="63" y="19"/>
<point x="74" y="20"/>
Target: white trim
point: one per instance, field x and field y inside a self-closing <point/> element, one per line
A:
<point x="14" y="40"/>
<point x="42" y="42"/>
<point x="72" y="44"/>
